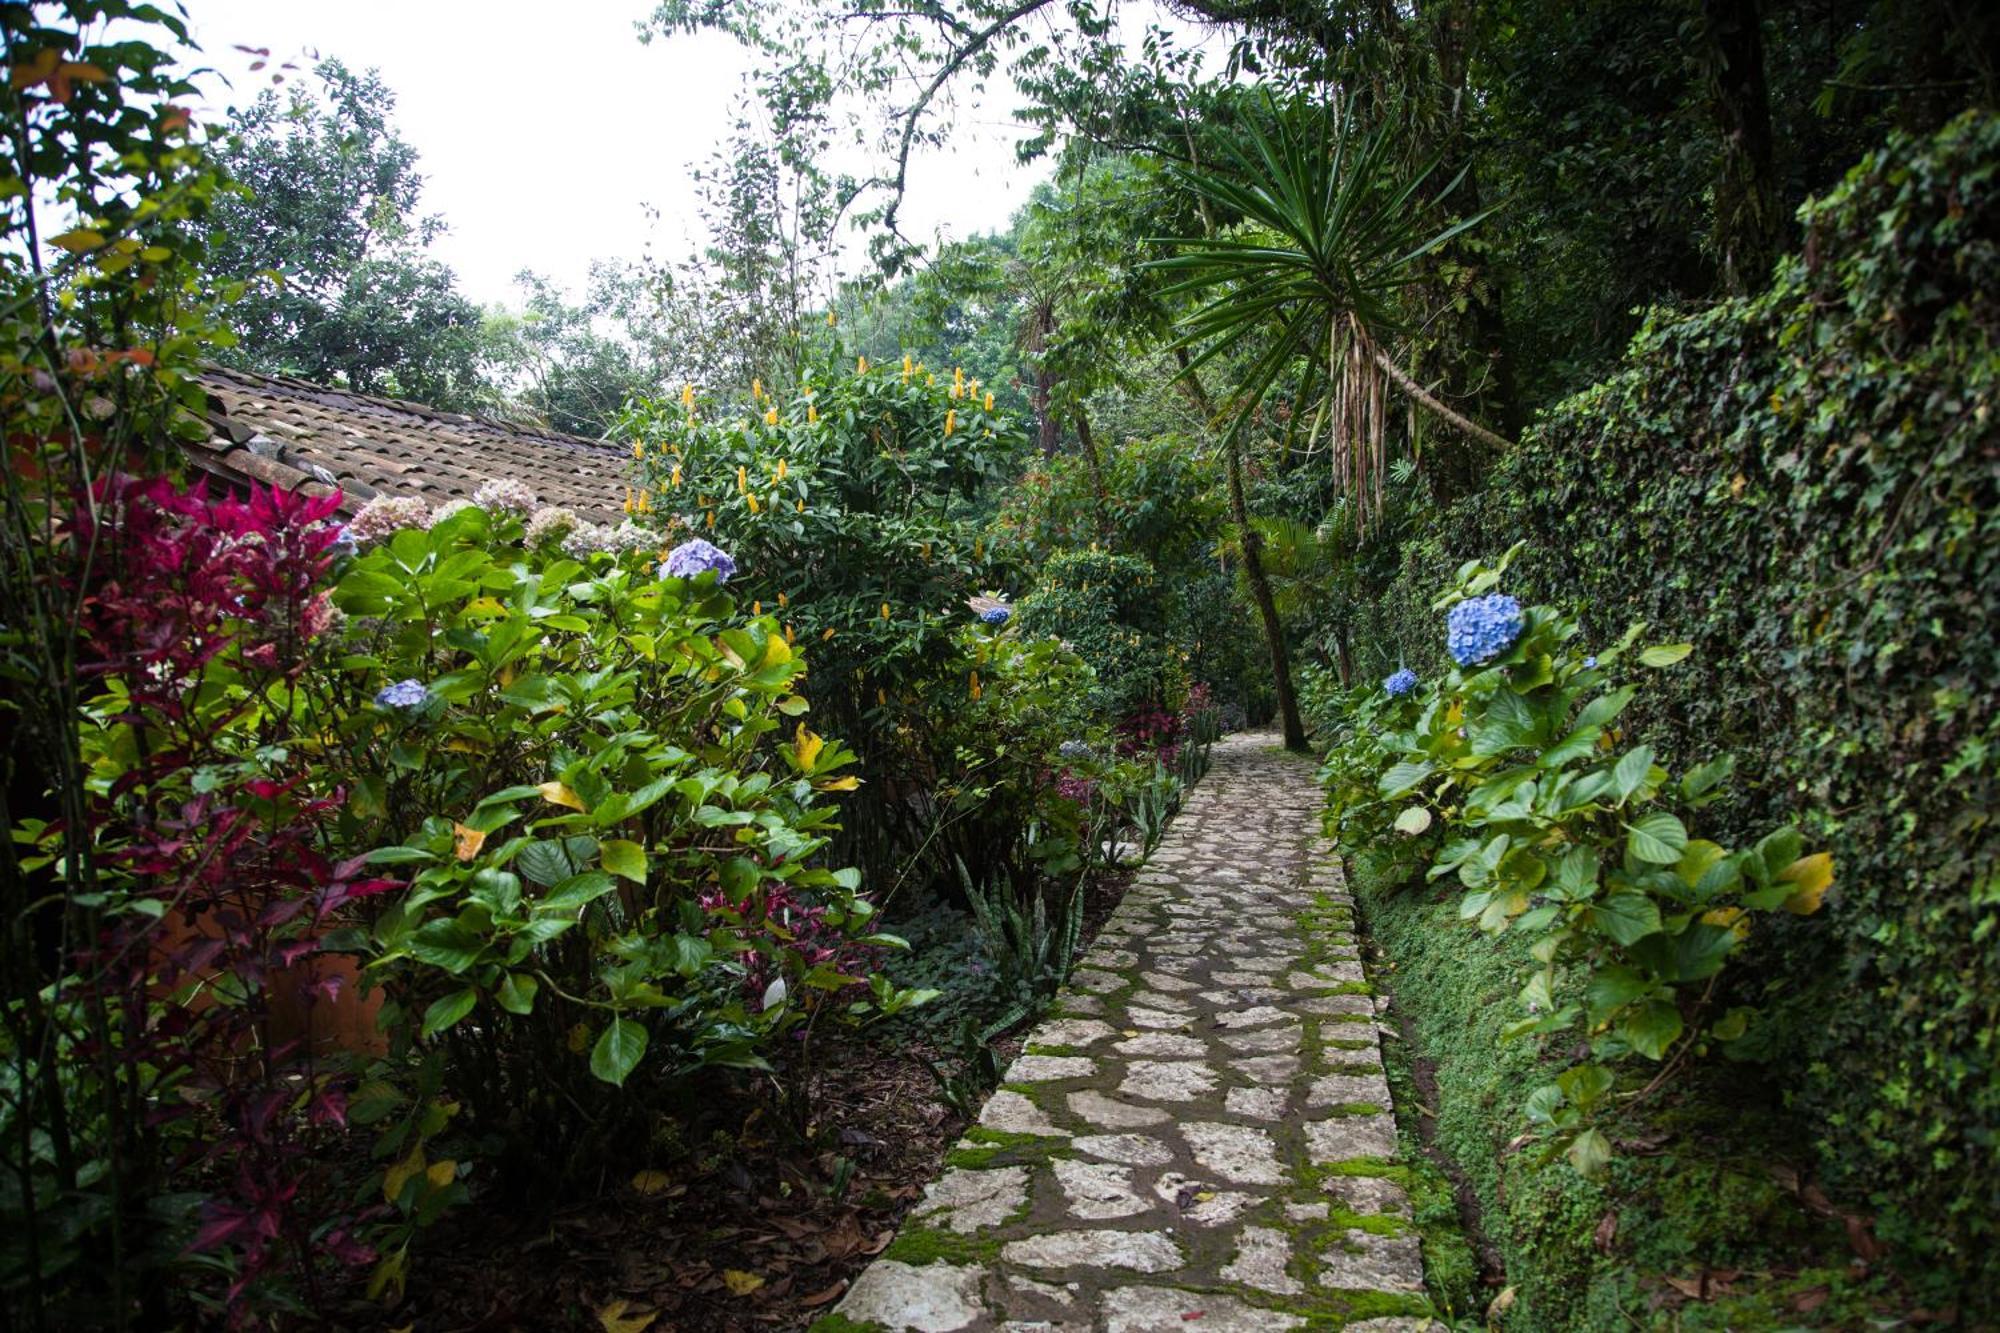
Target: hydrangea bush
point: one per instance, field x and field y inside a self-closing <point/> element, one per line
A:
<point x="1508" y="777"/>
<point x="600" y="784"/>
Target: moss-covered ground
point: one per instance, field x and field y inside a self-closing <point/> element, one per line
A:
<point x="1701" y="1221"/>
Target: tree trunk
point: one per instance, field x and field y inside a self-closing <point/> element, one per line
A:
<point x="1090" y="456"/>
<point x="1253" y="569"/>
<point x="1748" y="229"/>
<point x="1041" y="323"/>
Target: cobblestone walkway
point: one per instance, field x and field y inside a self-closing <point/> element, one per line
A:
<point x="1199" y="1136"/>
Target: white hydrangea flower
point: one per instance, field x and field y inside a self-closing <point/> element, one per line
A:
<point x="386" y="514"/>
<point x="550" y="524"/>
<point x="504" y="495"/>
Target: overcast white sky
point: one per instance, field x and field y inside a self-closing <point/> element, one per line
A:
<point x="545" y="129"/>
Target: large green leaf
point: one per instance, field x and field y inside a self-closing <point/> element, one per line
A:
<point x="1625" y="917"/>
<point x="1657" y="839"/>
<point x="1651" y="1028"/>
<point x="448" y="1009"/>
<point x="618" y="1051"/>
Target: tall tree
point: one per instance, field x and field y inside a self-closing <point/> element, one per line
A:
<point x="1748" y="228"/>
<point x="334" y="259"/>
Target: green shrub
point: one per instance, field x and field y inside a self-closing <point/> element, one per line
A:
<point x="1507" y="774"/>
<point x="1804" y="485"/>
<point x="612" y="818"/>
<point x="1109" y="609"/>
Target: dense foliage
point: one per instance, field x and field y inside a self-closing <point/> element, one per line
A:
<point x="1803" y="485"/>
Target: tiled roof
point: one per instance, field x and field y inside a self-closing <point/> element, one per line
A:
<point x="282" y="431"/>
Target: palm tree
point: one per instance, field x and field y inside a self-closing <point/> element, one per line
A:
<point x="1308" y="281"/>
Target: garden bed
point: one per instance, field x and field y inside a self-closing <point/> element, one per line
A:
<point x="748" y="1231"/>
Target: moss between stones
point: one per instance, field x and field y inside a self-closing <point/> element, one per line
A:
<point x="1000" y="1147"/>
<point x="918" y="1244"/>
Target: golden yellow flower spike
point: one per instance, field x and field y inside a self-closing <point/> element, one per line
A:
<point x="788" y="635"/>
<point x="885" y="610"/>
<point x="975" y="684"/>
<point x="829" y="319"/>
<point x="881" y="698"/>
<point x="950" y="422"/>
<point x="771" y="417"/>
<point x="783" y="600"/>
<point x="989" y="400"/>
<point x="638" y="451"/>
<point x="742" y="475"/>
<point x="751" y="500"/>
<point x="687" y="396"/>
<point x="812" y="413"/>
<point x="907" y="367"/>
<point x="861" y="365"/>
<point x="756" y="608"/>
<point x="798" y="506"/>
<point x="756" y="389"/>
<point x="675" y="480"/>
<point x="711" y="519"/>
<point x="628" y="499"/>
<point x="782" y="469"/>
<point x="829" y="634"/>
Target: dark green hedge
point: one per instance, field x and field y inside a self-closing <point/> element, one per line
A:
<point x="1806" y="484"/>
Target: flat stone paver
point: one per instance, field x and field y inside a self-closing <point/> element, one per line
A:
<point x="1199" y="1136"/>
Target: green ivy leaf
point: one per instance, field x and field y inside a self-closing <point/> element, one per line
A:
<point x="1658" y="839"/>
<point x="618" y="1051"/>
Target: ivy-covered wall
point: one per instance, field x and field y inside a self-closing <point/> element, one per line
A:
<point x="1806" y="484"/>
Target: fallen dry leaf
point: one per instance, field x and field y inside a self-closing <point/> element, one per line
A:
<point x="739" y="1282"/>
<point x="621" y="1316"/>
<point x="1607" y="1231"/>
<point x="651" y="1182"/>
<point x="822" y="1297"/>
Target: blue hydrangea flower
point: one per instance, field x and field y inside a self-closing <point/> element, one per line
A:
<point x="1401" y="683"/>
<point x="404" y="695"/>
<point x="1481" y="628"/>
<point x="997" y="615"/>
<point x="695" y="557"/>
<point x="344" y="542"/>
<point x="1590" y="664"/>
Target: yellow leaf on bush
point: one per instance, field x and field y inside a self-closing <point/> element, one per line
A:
<point x="399" y="1175"/>
<point x="807" y="746"/>
<point x="621" y="1316"/>
<point x="1732" y="917"/>
<point x="555" y="793"/>
<point x="1810" y="877"/>
<point x="740" y="1282"/>
<point x="849" y="783"/>
<point x="579" y="1039"/>
<point x="466" y="842"/>
<point x="442" y="1173"/>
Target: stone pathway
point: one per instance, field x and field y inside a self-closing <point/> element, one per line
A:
<point x="1199" y="1136"/>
